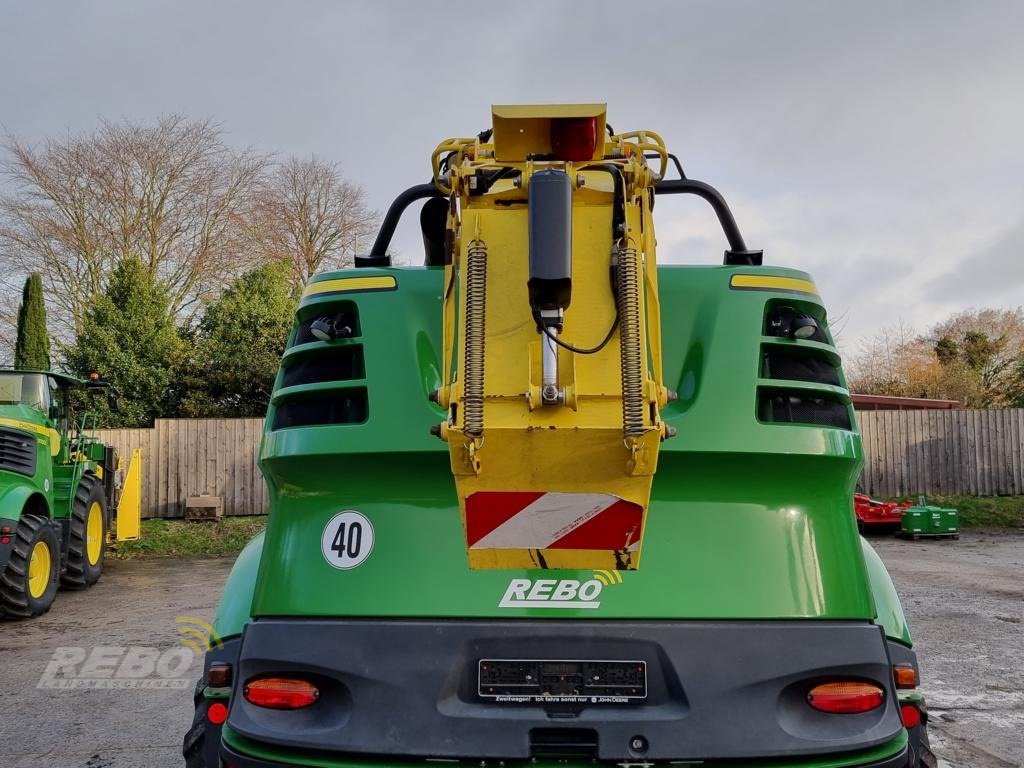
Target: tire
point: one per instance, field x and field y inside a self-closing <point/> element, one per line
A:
<point x="193" y="747"/>
<point x="87" y="535"/>
<point x="29" y="583"/>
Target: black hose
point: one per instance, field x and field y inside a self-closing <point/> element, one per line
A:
<point x="380" y="247"/>
<point x="738" y="252"/>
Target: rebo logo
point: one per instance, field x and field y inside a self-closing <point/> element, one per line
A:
<point x="558" y="593"/>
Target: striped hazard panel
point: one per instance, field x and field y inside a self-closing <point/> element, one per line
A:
<point x="528" y="520"/>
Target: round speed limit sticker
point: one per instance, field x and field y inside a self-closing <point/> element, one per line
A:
<point x="347" y="540"/>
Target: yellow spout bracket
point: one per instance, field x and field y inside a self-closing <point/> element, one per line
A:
<point x="561" y="484"/>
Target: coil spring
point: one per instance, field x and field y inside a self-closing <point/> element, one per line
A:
<point x="476" y="305"/>
<point x="630" y="348"/>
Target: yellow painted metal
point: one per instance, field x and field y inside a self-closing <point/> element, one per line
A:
<point x="351" y="284"/>
<point x="772" y="283"/>
<point x="52" y="435"/>
<point x="94" y="533"/>
<point x="40" y="564"/>
<point x="521" y="130"/>
<point x="578" y="446"/>
<point x="129" y="507"/>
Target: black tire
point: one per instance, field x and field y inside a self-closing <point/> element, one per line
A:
<point x="81" y="571"/>
<point x="16" y="598"/>
<point x="193" y="748"/>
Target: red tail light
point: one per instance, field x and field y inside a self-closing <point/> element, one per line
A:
<point x="910" y="715"/>
<point x="846" y="697"/>
<point x="217" y="713"/>
<point x="281" y="693"/>
<point x="573" y="138"/>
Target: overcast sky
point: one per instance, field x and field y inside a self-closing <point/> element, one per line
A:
<point x="879" y="146"/>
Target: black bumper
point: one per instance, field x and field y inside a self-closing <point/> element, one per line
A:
<point x="237" y="760"/>
<point x="716" y="690"/>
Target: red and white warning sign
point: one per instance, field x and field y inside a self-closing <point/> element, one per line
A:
<point x="535" y="520"/>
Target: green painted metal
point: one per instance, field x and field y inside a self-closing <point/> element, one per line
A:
<point x="747" y="519"/>
<point x="236" y="600"/>
<point x="887" y="603"/>
<point x="850" y="760"/>
<point x="930" y="521"/>
<point x="56" y="477"/>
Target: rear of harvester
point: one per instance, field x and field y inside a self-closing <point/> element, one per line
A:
<point x="542" y="501"/>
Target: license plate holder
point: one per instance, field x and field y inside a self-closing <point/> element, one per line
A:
<point x="562" y="681"/>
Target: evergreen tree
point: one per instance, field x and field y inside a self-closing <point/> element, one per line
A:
<point x="238" y="345"/>
<point x="130" y="338"/>
<point x="32" y="348"/>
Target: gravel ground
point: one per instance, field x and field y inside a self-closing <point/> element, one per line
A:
<point x="965" y="604"/>
<point x="964" y="599"/>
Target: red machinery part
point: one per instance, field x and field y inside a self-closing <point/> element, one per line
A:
<point x="871" y="512"/>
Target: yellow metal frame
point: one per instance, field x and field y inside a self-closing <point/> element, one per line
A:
<point x="578" y="447"/>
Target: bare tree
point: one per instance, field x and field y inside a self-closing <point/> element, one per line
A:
<point x="308" y="215"/>
<point x="171" y="192"/>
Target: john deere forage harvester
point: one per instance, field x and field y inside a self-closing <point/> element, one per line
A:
<point x="543" y="500"/>
<point x="60" y="496"/>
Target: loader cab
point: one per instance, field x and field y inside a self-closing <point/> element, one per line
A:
<point x="26" y="388"/>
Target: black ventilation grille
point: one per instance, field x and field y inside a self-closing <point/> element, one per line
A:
<point x="346" y="406"/>
<point x="776" y="406"/>
<point x="343" y="315"/>
<point x="341" y="363"/>
<point x="783" y="364"/>
<point x="17" y="451"/>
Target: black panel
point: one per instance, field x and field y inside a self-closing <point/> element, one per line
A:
<point x="339" y="363"/>
<point x="17" y="451"/>
<point x="802" y="408"/>
<point x="406" y="688"/>
<point x="781" y="363"/>
<point x="347" y="406"/>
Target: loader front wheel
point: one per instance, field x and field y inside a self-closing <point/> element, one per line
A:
<point x="28" y="584"/>
<point x="86" y="535"/>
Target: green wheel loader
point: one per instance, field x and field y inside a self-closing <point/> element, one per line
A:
<point x="543" y="500"/>
<point x="60" y="492"/>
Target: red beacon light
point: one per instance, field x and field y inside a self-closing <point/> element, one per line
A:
<point x="574" y="139"/>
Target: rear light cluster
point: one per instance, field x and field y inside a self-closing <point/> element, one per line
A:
<point x="281" y="693"/>
<point x="846" y="698"/>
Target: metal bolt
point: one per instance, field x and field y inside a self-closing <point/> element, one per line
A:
<point x="580" y="180"/>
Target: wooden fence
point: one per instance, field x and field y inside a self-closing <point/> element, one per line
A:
<point x="978" y="453"/>
<point x="974" y="453"/>
<point x="190" y="457"/>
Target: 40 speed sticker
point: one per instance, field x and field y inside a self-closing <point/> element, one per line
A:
<point x="347" y="540"/>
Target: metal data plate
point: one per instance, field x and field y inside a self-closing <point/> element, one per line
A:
<point x="544" y="681"/>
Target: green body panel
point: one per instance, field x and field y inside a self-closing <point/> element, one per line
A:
<point x="887" y="603"/>
<point x="16" y="488"/>
<point x="860" y="758"/>
<point x="235" y="605"/>
<point x="15" y="495"/>
<point x="747" y="519"/>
